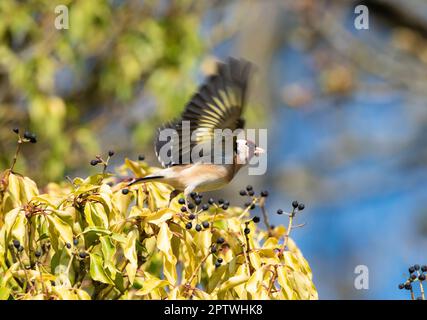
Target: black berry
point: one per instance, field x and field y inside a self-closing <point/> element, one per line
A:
<point x="401" y="286"/>
<point x="225" y="206"/>
<point x="191" y="206"/>
<point x="38" y="254"/>
<point x="125" y="191"/>
<point x="193" y="194"/>
<point x="192" y="216"/>
<point x="422" y="277"/>
<point x="413" y="276"/>
<point x="213" y="249"/>
<point x="220" y="240"/>
<point x="295" y="204"/>
<point x="197" y="200"/>
<point x="408" y="286"/>
<point x="247" y="230"/>
<point x="94" y="162"/>
<point x="256" y="219"/>
<point x="411" y="269"/>
<point x="30" y="136"/>
<point x="252" y="206"/>
<point x="16" y="244"/>
<point x="264" y="193"/>
<point x="221" y="201"/>
<point x="181" y="201"/>
<point x="68" y="245"/>
<point x="301" y="206"/>
<point x="141" y="157"/>
<point x="249" y="187"/>
<point x="248" y="204"/>
<point x="211" y="201"/>
<point x="16" y="130"/>
<point x="198" y="227"/>
<point x="111" y="153"/>
<point x="417" y="267"/>
<point x="424" y="268"/>
<point x="217" y="264"/>
<point x="76" y="242"/>
<point x="242" y="192"/>
<point x="82" y="255"/>
<point x="183" y="209"/>
<point x="280" y="211"/>
<point x="189" y="225"/>
<point x="205" y="224"/>
<point x="220" y="260"/>
<point x="251" y="193"/>
<point x="205" y="207"/>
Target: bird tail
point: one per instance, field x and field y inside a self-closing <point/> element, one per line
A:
<point x="147" y="178"/>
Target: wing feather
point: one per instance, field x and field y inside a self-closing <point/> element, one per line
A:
<point x="218" y="104"/>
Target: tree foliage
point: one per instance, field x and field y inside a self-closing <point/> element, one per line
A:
<point x="69" y="85"/>
<point x="89" y="239"/>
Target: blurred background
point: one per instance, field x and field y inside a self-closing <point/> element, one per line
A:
<point x="345" y="108"/>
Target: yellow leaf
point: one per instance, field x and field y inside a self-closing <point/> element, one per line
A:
<point x="150" y="285"/>
<point x="130" y="254"/>
<point x="255" y="281"/>
<point x="169" y="260"/>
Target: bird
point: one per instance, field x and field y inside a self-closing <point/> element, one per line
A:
<point x="218" y="103"/>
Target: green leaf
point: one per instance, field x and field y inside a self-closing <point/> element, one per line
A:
<point x="59" y="228"/>
<point x="97" y="271"/>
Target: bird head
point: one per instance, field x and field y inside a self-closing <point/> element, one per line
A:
<point x="246" y="150"/>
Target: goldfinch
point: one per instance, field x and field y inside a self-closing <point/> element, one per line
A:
<point x="217" y="104"/>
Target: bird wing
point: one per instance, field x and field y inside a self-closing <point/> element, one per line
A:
<point x="217" y="104"/>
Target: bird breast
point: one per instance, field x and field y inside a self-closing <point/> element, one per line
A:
<point x="204" y="177"/>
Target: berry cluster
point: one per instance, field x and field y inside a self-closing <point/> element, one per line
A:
<point x="253" y="199"/>
<point x="195" y="207"/>
<point x="98" y="160"/>
<point x="417" y="273"/>
<point x="17" y="245"/>
<point x="218" y="247"/>
<point x="296" y="207"/>
<point x="27" y="137"/>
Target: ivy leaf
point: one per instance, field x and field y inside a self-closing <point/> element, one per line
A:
<point x="4" y="293"/>
<point x="97" y="271"/>
<point x="59" y="229"/>
<point x="169" y="260"/>
<point x="150" y="285"/>
<point x="130" y="254"/>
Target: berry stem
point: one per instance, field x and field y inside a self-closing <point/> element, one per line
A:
<point x="46" y="292"/>
<point x="195" y="272"/>
<point x="265" y="215"/>
<point x="27" y="284"/>
<point x="272" y="280"/>
<point x="15" y="156"/>
<point x="288" y="230"/>
<point x="421" y="287"/>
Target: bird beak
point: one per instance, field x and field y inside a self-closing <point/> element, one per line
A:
<point x="258" y="151"/>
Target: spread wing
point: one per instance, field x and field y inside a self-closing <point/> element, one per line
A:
<point x="217" y="104"/>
